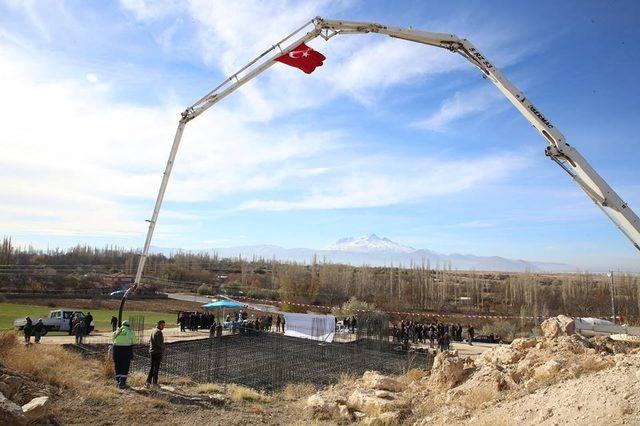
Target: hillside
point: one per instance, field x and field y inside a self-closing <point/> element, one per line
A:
<point x="373" y="250"/>
<point x="559" y="378"/>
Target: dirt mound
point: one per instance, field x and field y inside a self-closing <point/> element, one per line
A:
<point x="449" y="369"/>
<point x="374" y="399"/>
<point x="23" y="398"/>
<point x="549" y="371"/>
<point x="561" y="325"/>
<point x="532" y="366"/>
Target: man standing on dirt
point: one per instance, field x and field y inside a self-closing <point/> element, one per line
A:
<point x="78" y="329"/>
<point x="123" y="341"/>
<point x="87" y="323"/>
<point x="28" y="329"/>
<point x="71" y="317"/>
<point x="183" y="321"/>
<point x="114" y="324"/>
<point x="471" y="333"/>
<point x="38" y="330"/>
<point x="156" y="350"/>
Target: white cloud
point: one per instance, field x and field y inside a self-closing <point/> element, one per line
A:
<point x="474" y="224"/>
<point x="369" y="67"/>
<point x="92" y="78"/>
<point x="376" y="182"/>
<point x="361" y="67"/>
<point x="74" y="163"/>
<point x="461" y="105"/>
<point x="29" y="8"/>
<point x="149" y="10"/>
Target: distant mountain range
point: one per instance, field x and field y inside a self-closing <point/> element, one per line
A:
<point x="375" y="251"/>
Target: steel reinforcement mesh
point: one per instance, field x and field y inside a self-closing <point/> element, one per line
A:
<point x="270" y="361"/>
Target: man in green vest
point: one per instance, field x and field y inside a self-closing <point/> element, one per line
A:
<point x="123" y="341"/>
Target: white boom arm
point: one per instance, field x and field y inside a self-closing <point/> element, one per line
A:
<point x="558" y="150"/>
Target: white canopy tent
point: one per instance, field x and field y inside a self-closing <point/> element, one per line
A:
<point x="310" y="326"/>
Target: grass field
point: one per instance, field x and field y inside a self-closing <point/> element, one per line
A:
<point x="101" y="317"/>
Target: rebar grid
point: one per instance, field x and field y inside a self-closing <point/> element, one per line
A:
<point x="269" y="361"/>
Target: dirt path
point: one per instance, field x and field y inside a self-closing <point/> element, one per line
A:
<point x="608" y="397"/>
<point x="464" y="349"/>
<point x="171" y="334"/>
<point x="153" y="305"/>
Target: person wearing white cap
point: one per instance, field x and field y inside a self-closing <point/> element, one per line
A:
<point x="123" y="341"/>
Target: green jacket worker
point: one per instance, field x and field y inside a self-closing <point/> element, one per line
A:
<point x="123" y="341"/>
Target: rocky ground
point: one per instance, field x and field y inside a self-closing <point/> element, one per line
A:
<point x="560" y="378"/>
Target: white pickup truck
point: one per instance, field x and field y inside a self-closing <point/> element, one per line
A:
<point x="59" y="320"/>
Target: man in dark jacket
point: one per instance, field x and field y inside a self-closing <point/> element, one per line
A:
<point x="71" y="317"/>
<point x="156" y="350"/>
<point x="114" y="324"/>
<point x="87" y="323"/>
<point x="79" y="329"/>
<point x="38" y="330"/>
<point x="28" y="330"/>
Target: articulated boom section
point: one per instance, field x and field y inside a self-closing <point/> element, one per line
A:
<point x="558" y="150"/>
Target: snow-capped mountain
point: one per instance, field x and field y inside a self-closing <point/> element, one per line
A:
<point x="368" y="243"/>
<point x="375" y="251"/>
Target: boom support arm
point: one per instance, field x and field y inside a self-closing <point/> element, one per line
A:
<point x="558" y="150"/>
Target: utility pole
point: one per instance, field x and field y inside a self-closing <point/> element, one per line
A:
<point x="613" y="297"/>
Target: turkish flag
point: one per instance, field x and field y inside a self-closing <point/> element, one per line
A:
<point x="303" y="57"/>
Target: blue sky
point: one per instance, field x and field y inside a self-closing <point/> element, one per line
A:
<point x="390" y="137"/>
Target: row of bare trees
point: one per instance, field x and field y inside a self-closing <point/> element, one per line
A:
<point x="415" y="288"/>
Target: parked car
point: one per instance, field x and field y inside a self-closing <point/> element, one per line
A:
<point x="117" y="293"/>
<point x="58" y="320"/>
<point x="590" y="327"/>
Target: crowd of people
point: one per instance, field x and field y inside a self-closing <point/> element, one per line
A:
<point x="36" y="330"/>
<point x="194" y="321"/>
<point x="236" y="321"/>
<point x="442" y="334"/>
<point x="349" y="323"/>
<point x="79" y="327"/>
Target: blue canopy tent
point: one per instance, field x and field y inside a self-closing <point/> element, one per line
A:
<point x="224" y="304"/>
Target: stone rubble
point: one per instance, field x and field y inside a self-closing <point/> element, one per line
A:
<point x="37" y="409"/>
<point x="22" y="400"/>
<point x="457" y="387"/>
<point x="11" y="413"/>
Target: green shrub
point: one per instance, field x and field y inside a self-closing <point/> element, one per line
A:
<point x="505" y="329"/>
<point x="205" y="289"/>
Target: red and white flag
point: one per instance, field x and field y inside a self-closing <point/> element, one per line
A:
<point x="304" y="58"/>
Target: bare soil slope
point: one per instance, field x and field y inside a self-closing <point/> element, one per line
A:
<point x="561" y="378"/>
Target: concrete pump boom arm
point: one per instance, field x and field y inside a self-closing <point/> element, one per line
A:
<point x="558" y="150"/>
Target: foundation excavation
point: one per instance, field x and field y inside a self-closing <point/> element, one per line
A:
<point x="269" y="361"/>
